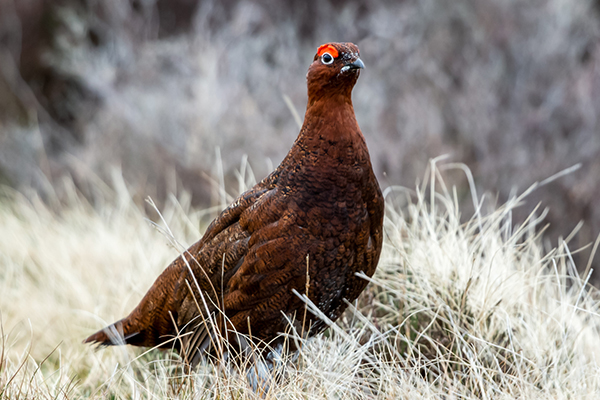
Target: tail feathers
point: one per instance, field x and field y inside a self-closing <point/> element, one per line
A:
<point x="152" y="322"/>
<point x="112" y="335"/>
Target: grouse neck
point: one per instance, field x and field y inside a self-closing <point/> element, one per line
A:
<point x="332" y="119"/>
<point x="328" y="97"/>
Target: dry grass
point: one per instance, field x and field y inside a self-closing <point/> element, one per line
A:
<point x="474" y="310"/>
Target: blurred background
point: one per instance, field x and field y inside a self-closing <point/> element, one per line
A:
<point x="153" y="88"/>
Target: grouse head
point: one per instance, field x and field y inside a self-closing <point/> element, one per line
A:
<point x="334" y="71"/>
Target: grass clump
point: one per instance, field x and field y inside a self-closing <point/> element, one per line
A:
<point x="474" y="309"/>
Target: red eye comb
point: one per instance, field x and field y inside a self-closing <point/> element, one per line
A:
<point x="327" y="48"/>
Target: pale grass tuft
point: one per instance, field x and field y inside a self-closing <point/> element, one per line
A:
<point x="456" y="310"/>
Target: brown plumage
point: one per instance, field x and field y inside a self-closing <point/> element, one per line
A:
<point x="322" y="202"/>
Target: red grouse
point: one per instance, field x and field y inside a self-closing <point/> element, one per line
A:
<point x="309" y="228"/>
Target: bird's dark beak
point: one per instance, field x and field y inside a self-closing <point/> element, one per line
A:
<point x="356" y="64"/>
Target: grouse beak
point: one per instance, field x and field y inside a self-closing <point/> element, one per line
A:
<point x="356" y="64"/>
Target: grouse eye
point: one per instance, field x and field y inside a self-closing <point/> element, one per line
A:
<point x="326" y="58"/>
